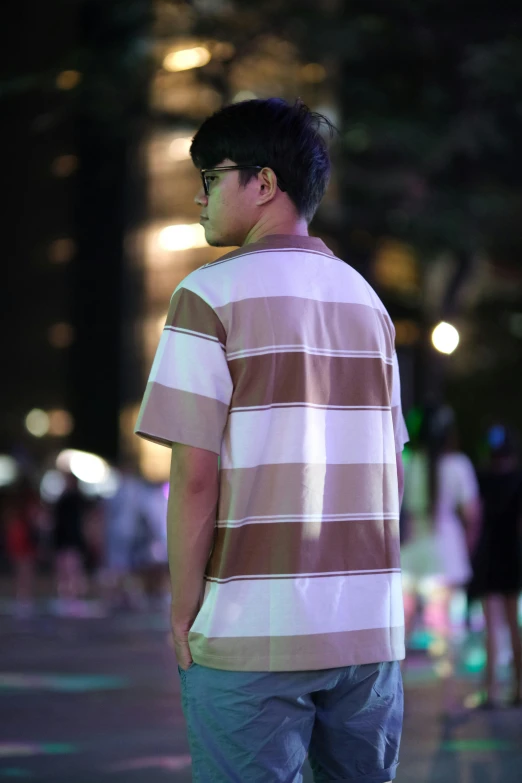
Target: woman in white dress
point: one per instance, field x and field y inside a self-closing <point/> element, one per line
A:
<point x="457" y="514"/>
<point x="442" y="506"/>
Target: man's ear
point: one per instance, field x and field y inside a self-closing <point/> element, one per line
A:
<point x="267" y="183"/>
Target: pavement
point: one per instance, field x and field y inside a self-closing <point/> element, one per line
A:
<point x="95" y="699"/>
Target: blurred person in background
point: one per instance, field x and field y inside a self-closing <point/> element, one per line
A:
<point x="497" y="565"/>
<point x="69" y="544"/>
<point x="122" y="523"/>
<point x="152" y="555"/>
<point x="455" y="504"/>
<point x="442" y="505"/>
<point x="22" y="520"/>
<point x="135" y="562"/>
<point x="418" y="561"/>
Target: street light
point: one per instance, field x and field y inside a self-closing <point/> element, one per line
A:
<point x="445" y="337"/>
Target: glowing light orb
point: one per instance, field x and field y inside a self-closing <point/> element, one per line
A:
<point x="445" y="338"/>
<point x="182" y="237"/>
<point x="37" y="423"/>
<point x="186" y="59"/>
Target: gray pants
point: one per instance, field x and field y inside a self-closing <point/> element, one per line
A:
<point x="257" y="727"/>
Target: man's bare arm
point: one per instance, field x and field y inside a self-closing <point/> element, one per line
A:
<point x="191" y="519"/>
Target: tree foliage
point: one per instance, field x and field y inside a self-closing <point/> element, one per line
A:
<point x="429" y="94"/>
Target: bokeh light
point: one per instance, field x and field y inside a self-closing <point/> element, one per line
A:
<point x="445" y="337"/>
<point x="8" y="470"/>
<point x="61" y="423"/>
<point x="186" y="59"/>
<point x="68" y="80"/>
<point x="223" y="50"/>
<point x="64" y="165"/>
<point x="179" y="149"/>
<point x="182" y="237"/>
<point x="313" y="73"/>
<point x="52" y="485"/>
<point x="85" y="466"/>
<point x="61" y="250"/>
<point x="244" y="95"/>
<point x="37" y="422"/>
<point x="61" y="335"/>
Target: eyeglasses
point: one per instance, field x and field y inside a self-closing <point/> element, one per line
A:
<point x="207" y="173"/>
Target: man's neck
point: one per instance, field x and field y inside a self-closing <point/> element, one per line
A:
<point x="288" y="226"/>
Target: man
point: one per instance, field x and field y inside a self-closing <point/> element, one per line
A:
<point x="284" y="555"/>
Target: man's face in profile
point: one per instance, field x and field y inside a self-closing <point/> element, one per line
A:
<point x="227" y="213"/>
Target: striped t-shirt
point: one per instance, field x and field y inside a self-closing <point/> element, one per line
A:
<point x="280" y="358"/>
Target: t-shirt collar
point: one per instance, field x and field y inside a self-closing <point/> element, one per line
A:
<point x="281" y="242"/>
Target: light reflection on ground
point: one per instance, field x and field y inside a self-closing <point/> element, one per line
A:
<point x="18" y="749"/>
<point x="159" y="762"/>
<point x="78" y="683"/>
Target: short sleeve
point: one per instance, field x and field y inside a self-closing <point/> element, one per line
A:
<point x="468" y="488"/>
<point x="189" y="389"/>
<point x="399" y="425"/>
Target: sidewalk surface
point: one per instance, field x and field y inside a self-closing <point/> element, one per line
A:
<point x="96" y="699"/>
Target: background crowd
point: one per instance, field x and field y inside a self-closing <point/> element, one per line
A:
<point x="89" y="546"/>
<point x="461" y="526"/>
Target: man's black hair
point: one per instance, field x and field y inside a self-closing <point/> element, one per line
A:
<point x="270" y="133"/>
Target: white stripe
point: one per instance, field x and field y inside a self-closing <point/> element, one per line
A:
<point x="322" y="574"/>
<point x="190" y="364"/>
<point x="246" y="409"/>
<point x="266" y="520"/>
<point x="270" y="349"/>
<point x="301" y="606"/>
<point x="302" y="275"/>
<point x="190" y="331"/>
<point x="308" y="436"/>
<point x="396" y="383"/>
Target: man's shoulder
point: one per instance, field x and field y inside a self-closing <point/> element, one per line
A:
<point x="218" y="280"/>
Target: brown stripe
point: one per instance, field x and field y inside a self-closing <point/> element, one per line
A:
<point x="189" y="311"/>
<point x="173" y="416"/>
<point x="320" y="380"/>
<point x="292" y="488"/>
<point x="298" y="653"/>
<point x="287" y="320"/>
<point x="199" y="335"/>
<point x="305" y="548"/>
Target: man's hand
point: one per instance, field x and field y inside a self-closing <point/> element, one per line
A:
<point x="181" y="645"/>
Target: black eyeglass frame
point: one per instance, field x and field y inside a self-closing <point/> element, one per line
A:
<point x="204" y="172"/>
